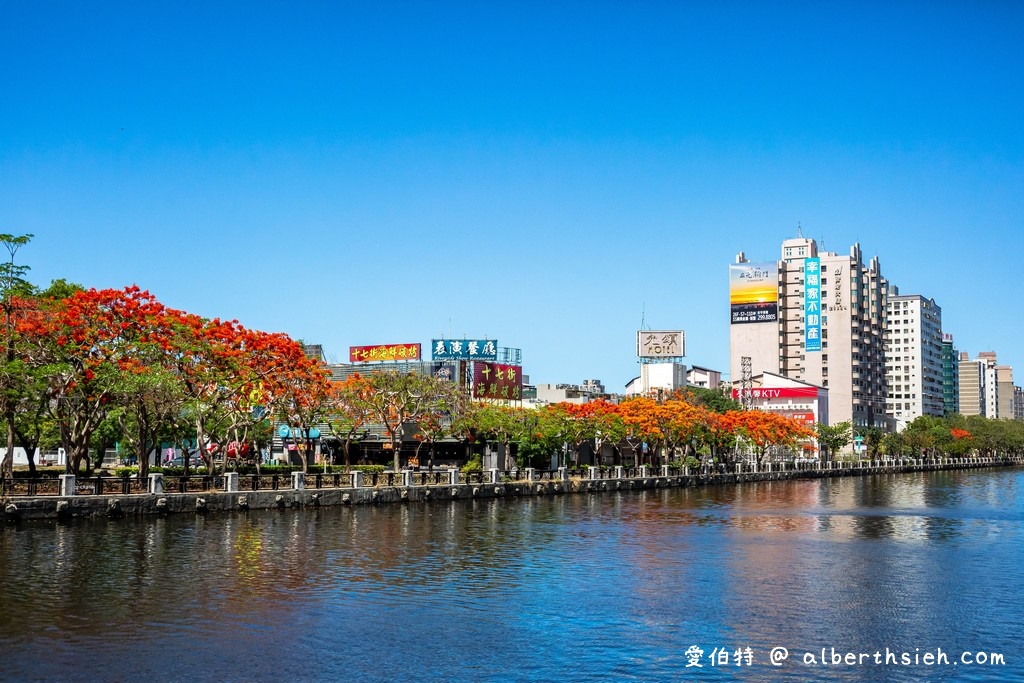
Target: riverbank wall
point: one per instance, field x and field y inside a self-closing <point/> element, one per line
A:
<point x="495" y="485"/>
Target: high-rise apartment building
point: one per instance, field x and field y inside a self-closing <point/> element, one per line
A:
<point x="913" y="355"/>
<point x="816" y="317"/>
<point x="950" y="376"/>
<point x="972" y="385"/>
<point x="991" y="384"/>
<point x="1004" y="392"/>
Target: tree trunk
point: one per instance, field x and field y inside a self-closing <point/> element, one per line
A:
<point x="141" y="452"/>
<point x="396" y="452"/>
<point x="7" y="467"/>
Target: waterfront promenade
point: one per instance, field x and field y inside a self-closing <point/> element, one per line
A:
<point x="68" y="497"/>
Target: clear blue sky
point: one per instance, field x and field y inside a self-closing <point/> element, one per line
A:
<point x="550" y="175"/>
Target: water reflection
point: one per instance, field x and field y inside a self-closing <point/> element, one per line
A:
<point x="614" y="585"/>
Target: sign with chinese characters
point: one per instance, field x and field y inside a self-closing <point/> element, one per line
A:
<point x="464" y="349"/>
<point x="497" y="381"/>
<point x="754" y="293"/>
<point x="837" y="277"/>
<point x="661" y="344"/>
<point x="383" y="352"/>
<point x="783" y="392"/>
<point x="812" y="304"/>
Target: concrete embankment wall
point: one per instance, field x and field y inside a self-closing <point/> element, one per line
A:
<point x="64" y="507"/>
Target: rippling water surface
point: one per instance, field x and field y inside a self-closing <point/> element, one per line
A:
<point x="614" y="586"/>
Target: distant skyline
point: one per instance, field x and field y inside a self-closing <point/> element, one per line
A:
<point x="553" y="176"/>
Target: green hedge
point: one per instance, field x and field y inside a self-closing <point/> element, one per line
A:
<point x="41" y="472"/>
<point x="267" y="470"/>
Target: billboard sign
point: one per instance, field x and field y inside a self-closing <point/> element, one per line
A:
<point x="383" y="352"/>
<point x="445" y="370"/>
<point x="464" y="349"/>
<point x="661" y="344"/>
<point x="497" y="381"/>
<point x="812" y="304"/>
<point x="754" y="293"/>
<point x="782" y="392"/>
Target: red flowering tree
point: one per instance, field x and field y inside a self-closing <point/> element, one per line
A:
<point x="766" y="430"/>
<point x="298" y="386"/>
<point x="89" y="342"/>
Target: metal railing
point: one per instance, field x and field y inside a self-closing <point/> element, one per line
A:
<point x="201" y="483"/>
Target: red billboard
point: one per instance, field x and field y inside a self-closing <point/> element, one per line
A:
<point x="383" y="352"/>
<point x="497" y="381"/>
<point x="784" y="392"/>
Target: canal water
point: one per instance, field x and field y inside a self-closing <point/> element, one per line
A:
<point x="661" y="585"/>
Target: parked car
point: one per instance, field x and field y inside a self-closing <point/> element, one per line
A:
<point x="194" y="461"/>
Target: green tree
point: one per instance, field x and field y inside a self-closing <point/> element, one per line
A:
<point x="443" y="406"/>
<point x="711" y="399"/>
<point x="12" y="374"/>
<point x="832" y="438"/>
<point x="872" y="440"/>
<point x="894" y="444"/>
<point x="396" y="399"/>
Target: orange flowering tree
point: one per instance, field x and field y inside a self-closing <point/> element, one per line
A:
<point x="720" y="432"/>
<point x="682" y="423"/>
<point x="640" y="425"/>
<point x="766" y="430"/>
<point x="594" y="422"/>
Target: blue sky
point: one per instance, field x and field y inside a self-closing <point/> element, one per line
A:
<point x="550" y="175"/>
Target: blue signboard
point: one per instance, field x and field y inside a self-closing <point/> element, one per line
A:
<point x="812" y="304"/>
<point x="464" y="349"/>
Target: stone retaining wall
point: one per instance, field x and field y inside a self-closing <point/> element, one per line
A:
<point x="65" y="507"/>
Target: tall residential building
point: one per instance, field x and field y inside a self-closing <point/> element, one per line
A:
<point x="950" y="377"/>
<point x="1018" y="403"/>
<point x="991" y="384"/>
<point x="972" y="386"/>
<point x="913" y="356"/>
<point x="1005" y="392"/>
<point x="816" y="317"/>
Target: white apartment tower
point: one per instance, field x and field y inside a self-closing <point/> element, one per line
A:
<point x="913" y="357"/>
<point x="816" y="317"/>
<point x="991" y="384"/>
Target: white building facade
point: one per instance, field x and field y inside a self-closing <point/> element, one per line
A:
<point x="913" y="355"/>
<point x="654" y="377"/>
